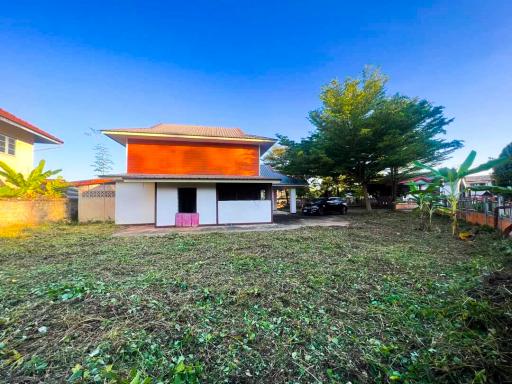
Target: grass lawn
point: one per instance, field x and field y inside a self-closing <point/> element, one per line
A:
<point x="376" y="302"/>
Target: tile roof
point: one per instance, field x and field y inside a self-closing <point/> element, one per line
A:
<point x="418" y="179"/>
<point x="478" y="179"/>
<point x="81" y="183"/>
<point x="191" y="130"/>
<point x="9" y="116"/>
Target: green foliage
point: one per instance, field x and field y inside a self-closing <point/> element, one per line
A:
<point x="34" y="185"/>
<point x="503" y="172"/>
<point x="361" y="132"/>
<point x="428" y="200"/>
<point x="452" y="179"/>
<point x="327" y="186"/>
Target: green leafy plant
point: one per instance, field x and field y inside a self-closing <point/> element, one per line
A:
<point x="452" y="179"/>
<point x="428" y="201"/>
<point x="33" y="185"/>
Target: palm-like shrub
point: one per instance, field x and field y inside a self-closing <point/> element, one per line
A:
<point x="33" y="185"/>
<point x="452" y="179"/>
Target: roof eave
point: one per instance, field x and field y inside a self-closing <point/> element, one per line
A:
<point x="190" y="179"/>
<point x="122" y="136"/>
<point x="40" y="138"/>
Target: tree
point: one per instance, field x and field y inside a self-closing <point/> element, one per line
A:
<point x="452" y="178"/>
<point x="275" y="156"/>
<point x="503" y="172"/>
<point x="411" y="129"/>
<point x="102" y="160"/>
<point x="360" y="133"/>
<point x="33" y="185"/>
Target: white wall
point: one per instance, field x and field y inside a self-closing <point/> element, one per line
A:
<point x="135" y="203"/>
<point x="207" y="204"/>
<point x="166" y="204"/>
<point x="245" y="211"/>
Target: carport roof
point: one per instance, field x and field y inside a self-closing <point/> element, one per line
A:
<point x="284" y="180"/>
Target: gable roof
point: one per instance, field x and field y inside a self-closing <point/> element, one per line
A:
<point x="420" y="180"/>
<point x="181" y="132"/>
<point x="189" y="131"/>
<point x="40" y="135"/>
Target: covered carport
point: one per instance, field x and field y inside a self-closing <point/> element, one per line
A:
<point x="287" y="185"/>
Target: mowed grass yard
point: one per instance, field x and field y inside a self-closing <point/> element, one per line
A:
<point x="379" y="301"/>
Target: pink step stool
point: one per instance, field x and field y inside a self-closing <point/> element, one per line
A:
<point x="187" y="219"/>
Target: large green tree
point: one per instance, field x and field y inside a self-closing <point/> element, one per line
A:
<point x="360" y="133"/>
<point x="411" y="130"/>
<point x="503" y="172"/>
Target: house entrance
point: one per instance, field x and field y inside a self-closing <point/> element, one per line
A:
<point x="187" y="200"/>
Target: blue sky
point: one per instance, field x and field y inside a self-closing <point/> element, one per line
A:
<point x="73" y="65"/>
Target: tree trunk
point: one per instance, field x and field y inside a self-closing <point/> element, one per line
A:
<point x="367" y="202"/>
<point x="394" y="184"/>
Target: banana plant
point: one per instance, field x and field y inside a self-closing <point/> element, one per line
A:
<point x="17" y="185"/>
<point x="428" y="200"/>
<point x="452" y="178"/>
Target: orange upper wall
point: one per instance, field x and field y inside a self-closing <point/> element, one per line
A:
<point x="180" y="158"/>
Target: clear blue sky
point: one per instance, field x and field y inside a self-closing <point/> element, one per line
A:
<point x="72" y="65"/>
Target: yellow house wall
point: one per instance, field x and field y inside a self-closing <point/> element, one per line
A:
<point x="23" y="161"/>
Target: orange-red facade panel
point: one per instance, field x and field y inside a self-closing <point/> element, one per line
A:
<point x="187" y="158"/>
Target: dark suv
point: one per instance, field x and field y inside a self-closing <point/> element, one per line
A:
<point x="325" y="205"/>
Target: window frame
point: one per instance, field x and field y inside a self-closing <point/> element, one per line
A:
<point x="9" y="142"/>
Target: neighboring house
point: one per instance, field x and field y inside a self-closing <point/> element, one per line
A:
<point x="212" y="174"/>
<point x="17" y="139"/>
<point x="476" y="180"/>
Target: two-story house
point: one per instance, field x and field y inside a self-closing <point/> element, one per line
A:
<point x="211" y="173"/>
<point x="17" y="139"/>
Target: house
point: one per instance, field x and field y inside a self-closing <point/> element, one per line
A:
<point x="183" y="174"/>
<point x="17" y="139"/>
<point x="477" y="180"/>
<point x="471" y="181"/>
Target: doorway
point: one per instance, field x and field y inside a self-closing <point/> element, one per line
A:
<point x="187" y="200"/>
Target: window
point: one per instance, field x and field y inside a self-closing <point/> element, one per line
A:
<point x="241" y="191"/>
<point x="7" y="145"/>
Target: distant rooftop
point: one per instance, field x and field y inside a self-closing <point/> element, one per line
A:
<point x="478" y="179"/>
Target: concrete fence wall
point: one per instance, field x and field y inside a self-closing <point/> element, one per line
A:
<point x="96" y="203"/>
<point x="32" y="212"/>
<point x="481" y="218"/>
